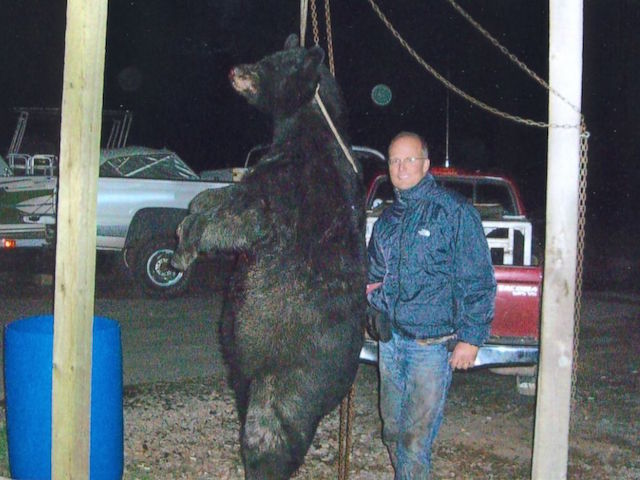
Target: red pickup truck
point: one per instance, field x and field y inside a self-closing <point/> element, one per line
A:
<point x="515" y="327"/>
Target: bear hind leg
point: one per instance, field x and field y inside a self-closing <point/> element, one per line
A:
<point x="275" y="437"/>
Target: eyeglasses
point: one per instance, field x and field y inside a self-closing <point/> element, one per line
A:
<point x="395" y="162"/>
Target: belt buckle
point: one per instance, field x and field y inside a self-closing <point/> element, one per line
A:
<point x="435" y="340"/>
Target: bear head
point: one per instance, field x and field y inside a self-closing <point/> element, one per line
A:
<point x="280" y="83"/>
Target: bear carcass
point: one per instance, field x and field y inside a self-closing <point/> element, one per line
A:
<point x="292" y="327"/>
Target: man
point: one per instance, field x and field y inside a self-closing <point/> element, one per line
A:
<point x="429" y="254"/>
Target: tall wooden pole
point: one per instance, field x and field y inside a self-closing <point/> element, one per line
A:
<point x="550" y="449"/>
<point x="76" y="236"/>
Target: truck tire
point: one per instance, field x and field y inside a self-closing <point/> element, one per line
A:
<point x="155" y="273"/>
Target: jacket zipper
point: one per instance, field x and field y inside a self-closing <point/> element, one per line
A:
<point x="402" y="257"/>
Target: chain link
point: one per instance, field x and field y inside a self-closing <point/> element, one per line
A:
<point x="316" y="31"/>
<point x="314" y="23"/>
<point x="347" y="415"/>
<point x="455" y="89"/>
<point x="511" y="56"/>
<point x="347" y="410"/>
<point x="582" y="193"/>
<point x="582" y="215"/>
<point x="327" y="17"/>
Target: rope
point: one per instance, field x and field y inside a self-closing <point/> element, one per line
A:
<point x="451" y="86"/>
<point x="316" y="39"/>
<point x="314" y="17"/>
<point x="344" y="148"/>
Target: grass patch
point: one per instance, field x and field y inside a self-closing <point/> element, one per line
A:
<point x="4" y="451"/>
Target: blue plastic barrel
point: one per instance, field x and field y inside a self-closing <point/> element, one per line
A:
<point x="28" y="364"/>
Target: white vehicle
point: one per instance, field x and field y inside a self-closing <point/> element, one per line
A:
<point x="370" y="159"/>
<point x="143" y="194"/>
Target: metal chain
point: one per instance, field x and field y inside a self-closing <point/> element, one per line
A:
<point x="582" y="190"/>
<point x="316" y="31"/>
<point x="582" y="215"/>
<point x="347" y="414"/>
<point x="452" y="87"/>
<point x="584" y="149"/>
<point x="314" y="22"/>
<point x="327" y="19"/>
<point x="346" y="408"/>
<point x="511" y="56"/>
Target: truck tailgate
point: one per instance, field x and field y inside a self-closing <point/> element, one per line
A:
<point x="517" y="303"/>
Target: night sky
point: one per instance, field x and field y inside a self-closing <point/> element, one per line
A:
<point x="167" y="61"/>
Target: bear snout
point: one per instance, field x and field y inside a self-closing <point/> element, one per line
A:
<point x="242" y="81"/>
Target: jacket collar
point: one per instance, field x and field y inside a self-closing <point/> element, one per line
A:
<point x="418" y="191"/>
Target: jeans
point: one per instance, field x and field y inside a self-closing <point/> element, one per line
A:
<point x="414" y="381"/>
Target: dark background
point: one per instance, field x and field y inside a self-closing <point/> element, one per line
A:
<point x="167" y="61"/>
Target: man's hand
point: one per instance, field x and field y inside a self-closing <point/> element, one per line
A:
<point x="463" y="356"/>
<point x="378" y="325"/>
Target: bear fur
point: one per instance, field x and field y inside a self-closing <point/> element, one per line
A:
<point x="293" y="321"/>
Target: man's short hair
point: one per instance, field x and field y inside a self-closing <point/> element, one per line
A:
<point x="420" y="138"/>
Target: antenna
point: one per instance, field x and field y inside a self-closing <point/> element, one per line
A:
<point x="446" y="143"/>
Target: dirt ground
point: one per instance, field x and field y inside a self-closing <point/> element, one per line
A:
<point x="186" y="428"/>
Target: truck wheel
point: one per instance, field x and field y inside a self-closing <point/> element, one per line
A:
<point x="153" y="268"/>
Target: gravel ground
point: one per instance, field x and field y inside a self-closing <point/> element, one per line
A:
<point x="190" y="431"/>
<point x="187" y="428"/>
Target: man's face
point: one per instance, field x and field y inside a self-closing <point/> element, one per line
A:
<point x="405" y="173"/>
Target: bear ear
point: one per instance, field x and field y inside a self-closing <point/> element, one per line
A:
<point x="291" y="42"/>
<point x="313" y="58"/>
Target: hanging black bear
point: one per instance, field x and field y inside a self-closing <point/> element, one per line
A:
<point x="292" y="329"/>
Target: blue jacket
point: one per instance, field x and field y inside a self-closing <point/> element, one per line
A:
<point x="429" y="251"/>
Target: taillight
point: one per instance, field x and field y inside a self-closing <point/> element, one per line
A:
<point x="8" y="243"/>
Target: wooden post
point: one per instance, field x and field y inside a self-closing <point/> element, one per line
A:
<point x="76" y="236"/>
<point x="550" y="449"/>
